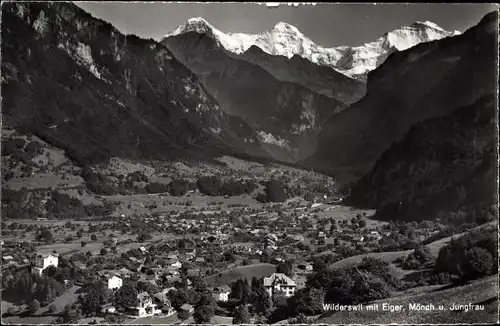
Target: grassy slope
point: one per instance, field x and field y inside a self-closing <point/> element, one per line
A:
<point x="393" y="255"/>
<point x="475" y="293"/>
<point x="248" y="272"/>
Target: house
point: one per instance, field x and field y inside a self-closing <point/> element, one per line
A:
<point x="143" y="249"/>
<point x="279" y="282"/>
<point x="145" y="306"/>
<point x="7" y="258"/>
<point x="115" y="282"/>
<point x="221" y="293"/>
<point x="187" y="308"/>
<point x="358" y="239"/>
<point x="108" y="308"/>
<point x="44" y="261"/>
<point x="173" y="264"/>
<point x="270" y="241"/>
<point x="161" y="299"/>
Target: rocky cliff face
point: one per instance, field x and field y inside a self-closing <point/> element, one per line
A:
<point x="427" y="81"/>
<point x="286" y="116"/>
<point x="286" y="40"/>
<point x="79" y="84"/>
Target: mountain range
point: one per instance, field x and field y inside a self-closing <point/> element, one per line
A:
<point x="282" y="83"/>
<point x="286" y="40"/>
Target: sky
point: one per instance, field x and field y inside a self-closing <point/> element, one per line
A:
<point x="326" y="24"/>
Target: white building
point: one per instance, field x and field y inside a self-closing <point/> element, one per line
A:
<point x="115" y="282"/>
<point x="145" y="306"/>
<point x="44" y="261"/>
<point x="279" y="282"/>
<point x="221" y="293"/>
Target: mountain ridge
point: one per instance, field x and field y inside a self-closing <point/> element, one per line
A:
<point x="133" y="87"/>
<point x="286" y="40"/>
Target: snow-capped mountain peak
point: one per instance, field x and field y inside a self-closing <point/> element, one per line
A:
<point x="285" y="28"/>
<point x="286" y="40"/>
<point x="195" y="24"/>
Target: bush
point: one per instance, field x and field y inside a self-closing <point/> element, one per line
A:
<point x="33" y="306"/>
<point x="182" y="315"/>
<point x="478" y="263"/>
<point x="52" y="308"/>
<point x="469" y="257"/>
<point x="157" y="188"/>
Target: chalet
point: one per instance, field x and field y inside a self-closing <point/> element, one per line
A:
<point x="145" y="306"/>
<point x="173" y="264"/>
<point x="279" y="282"/>
<point x="321" y="235"/>
<point x="44" y="261"/>
<point x="7" y="259"/>
<point x="115" y="282"/>
<point x="161" y="299"/>
<point x="221" y="293"/>
<point x="108" y="308"/>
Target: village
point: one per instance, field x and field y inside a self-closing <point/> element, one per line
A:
<point x="203" y="252"/>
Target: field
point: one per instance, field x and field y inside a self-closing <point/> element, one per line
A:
<point x="482" y="291"/>
<point x="248" y="272"/>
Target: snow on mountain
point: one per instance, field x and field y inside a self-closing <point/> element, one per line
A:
<point x="286" y="40"/>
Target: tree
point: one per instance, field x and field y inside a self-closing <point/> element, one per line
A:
<point x="93" y="237"/>
<point x="33" y="306"/>
<point x="241" y="315"/>
<point x="104" y="252"/>
<point x="83" y="243"/>
<point x="198" y="284"/>
<point x="308" y="301"/>
<point x="143" y="236"/>
<point x="203" y="314"/>
<point x="285" y="268"/>
<point x="478" y="263"/>
<point x="262" y="301"/>
<point x="177" y="298"/>
<point x="275" y="191"/>
<point x="45" y="235"/>
<point x="182" y="315"/>
<point x="52" y="308"/>
<point x="126" y="296"/>
<point x="96" y="296"/>
<point x="240" y="290"/>
<point x="362" y="223"/>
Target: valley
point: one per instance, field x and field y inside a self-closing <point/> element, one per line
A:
<point x="248" y="178"/>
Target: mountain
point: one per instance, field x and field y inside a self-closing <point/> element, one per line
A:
<point x="79" y="84"/>
<point x="286" y="40"/>
<point x="286" y="116"/>
<point x="427" y="81"/>
<point x="443" y="165"/>
<point x="320" y="79"/>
